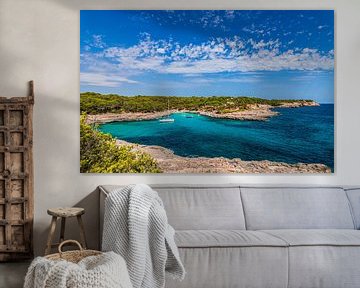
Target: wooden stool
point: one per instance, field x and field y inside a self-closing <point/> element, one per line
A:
<point x="64" y="213"/>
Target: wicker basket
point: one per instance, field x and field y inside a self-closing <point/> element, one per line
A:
<point x="72" y="256"/>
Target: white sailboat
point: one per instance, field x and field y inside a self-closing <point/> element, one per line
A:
<point x="168" y="119"/>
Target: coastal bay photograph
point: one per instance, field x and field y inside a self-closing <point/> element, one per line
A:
<point x="207" y="91"/>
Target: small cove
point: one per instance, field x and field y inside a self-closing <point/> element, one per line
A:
<point x="304" y="134"/>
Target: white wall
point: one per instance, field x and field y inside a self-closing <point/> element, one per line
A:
<point x="39" y="40"/>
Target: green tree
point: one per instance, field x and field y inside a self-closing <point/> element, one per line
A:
<point x="95" y="103"/>
<point x="99" y="153"/>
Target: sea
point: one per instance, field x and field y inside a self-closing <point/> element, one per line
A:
<point x="296" y="135"/>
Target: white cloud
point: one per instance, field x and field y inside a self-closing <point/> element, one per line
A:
<point x="309" y="76"/>
<point x="322" y="26"/>
<point x="97" y="42"/>
<point x="213" y="56"/>
<point x="230" y="14"/>
<point x="242" y="80"/>
<point x="210" y="19"/>
<point x="99" y="79"/>
<point x="250" y="79"/>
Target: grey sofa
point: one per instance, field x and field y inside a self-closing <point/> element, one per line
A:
<point x="242" y="236"/>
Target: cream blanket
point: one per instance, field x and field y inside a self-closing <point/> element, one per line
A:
<point x="136" y="227"/>
<point x="103" y="271"/>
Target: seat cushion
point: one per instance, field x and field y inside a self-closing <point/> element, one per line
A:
<point x="231" y="258"/>
<point x="324" y="266"/>
<point x="220" y="267"/>
<point x="225" y="238"/>
<point x="322" y="258"/>
<point x="296" y="208"/>
<point x="317" y="237"/>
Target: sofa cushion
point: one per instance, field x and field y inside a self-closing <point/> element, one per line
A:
<point x="226" y="238"/>
<point x="199" y="207"/>
<point x="192" y="208"/>
<point x="324" y="266"/>
<point x="296" y="208"/>
<point x="220" y="267"/>
<point x="317" y="237"/>
<point x="322" y="258"/>
<point x="354" y="198"/>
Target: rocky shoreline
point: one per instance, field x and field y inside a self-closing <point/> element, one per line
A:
<point x="171" y="163"/>
<point x="258" y="112"/>
<point x="254" y="112"/>
<point x="112" y="117"/>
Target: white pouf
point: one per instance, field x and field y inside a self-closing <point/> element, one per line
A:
<point x="107" y="270"/>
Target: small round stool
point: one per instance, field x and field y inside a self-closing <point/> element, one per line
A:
<point x="64" y="213"/>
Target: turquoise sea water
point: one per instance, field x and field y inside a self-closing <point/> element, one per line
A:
<point x="303" y="134"/>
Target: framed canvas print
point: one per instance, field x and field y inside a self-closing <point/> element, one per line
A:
<point x="207" y="91"/>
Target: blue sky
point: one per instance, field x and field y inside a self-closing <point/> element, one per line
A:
<point x="274" y="54"/>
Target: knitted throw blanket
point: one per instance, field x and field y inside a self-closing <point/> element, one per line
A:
<point x="103" y="271"/>
<point x="136" y="227"/>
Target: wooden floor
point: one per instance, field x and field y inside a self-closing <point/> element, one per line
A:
<point x="12" y="274"/>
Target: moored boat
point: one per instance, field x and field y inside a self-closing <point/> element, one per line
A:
<point x="167" y="120"/>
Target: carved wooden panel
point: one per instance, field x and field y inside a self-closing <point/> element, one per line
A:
<point x="16" y="177"/>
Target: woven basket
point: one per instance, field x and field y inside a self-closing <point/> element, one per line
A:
<point x="72" y="256"/>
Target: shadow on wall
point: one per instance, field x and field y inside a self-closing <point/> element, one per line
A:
<point x="91" y="218"/>
<point x="53" y="163"/>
